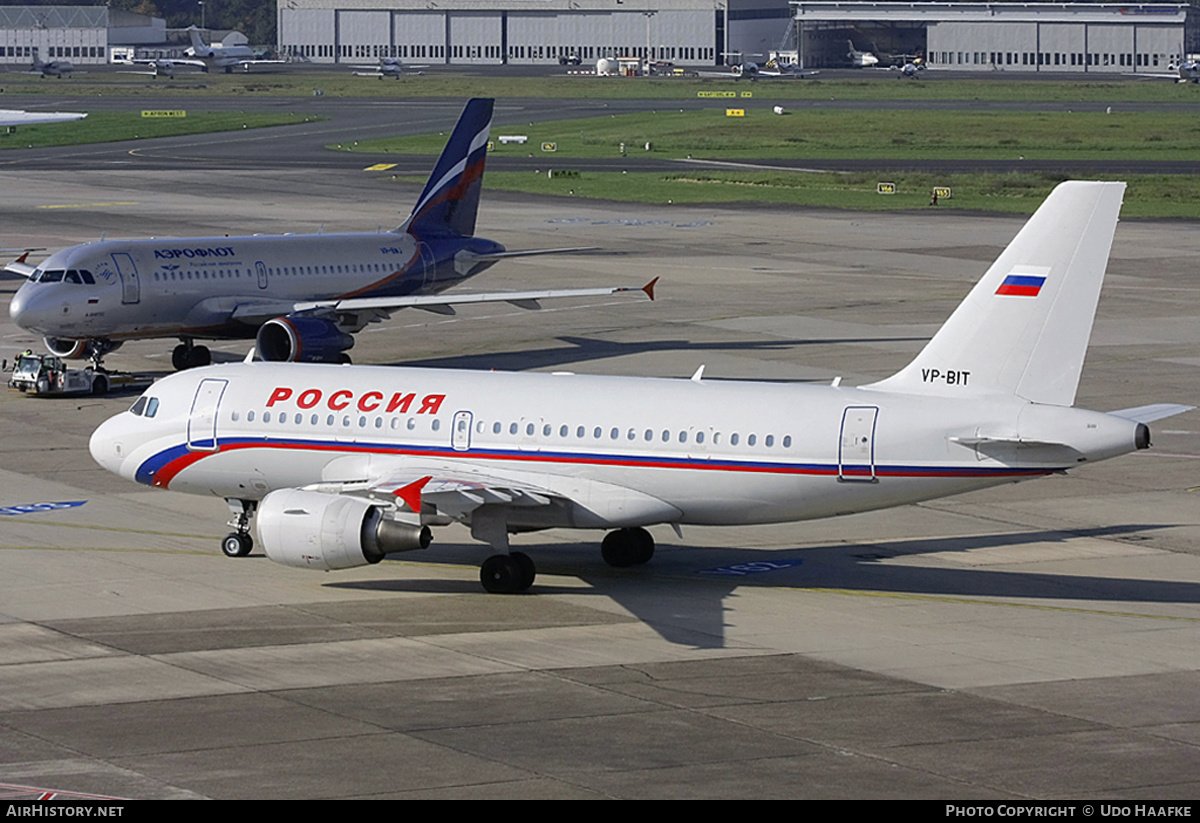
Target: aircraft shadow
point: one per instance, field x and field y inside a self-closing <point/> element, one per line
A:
<point x="585" y="349"/>
<point x="681" y="595"/>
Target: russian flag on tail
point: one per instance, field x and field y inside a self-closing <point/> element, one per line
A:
<point x="1021" y="285"/>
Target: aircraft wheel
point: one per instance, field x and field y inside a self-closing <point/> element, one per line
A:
<point x="528" y="570"/>
<point x="503" y="574"/>
<point x="179" y="357"/>
<point x="199" y="356"/>
<point x="100" y="385"/>
<point x="237" y="544"/>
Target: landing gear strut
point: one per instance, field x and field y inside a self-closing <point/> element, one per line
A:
<point x="239" y="543"/>
<point x="188" y="356"/>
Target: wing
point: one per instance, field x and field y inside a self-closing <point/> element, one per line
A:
<point x="493" y="502"/>
<point x="19" y="266"/>
<point x="445" y="303"/>
<point x="13" y="117"/>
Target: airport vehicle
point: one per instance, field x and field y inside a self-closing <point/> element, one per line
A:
<point x="301" y="296"/>
<point x="15" y="117"/>
<point x="388" y="67"/>
<point x="47" y="374"/>
<point x="343" y="465"/>
<point x="223" y="55"/>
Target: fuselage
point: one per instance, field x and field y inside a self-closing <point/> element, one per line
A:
<point x="685" y="451"/>
<point x="194" y="287"/>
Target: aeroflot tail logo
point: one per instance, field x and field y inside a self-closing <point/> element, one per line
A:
<point x="1021" y="285"/>
<point x="365" y="402"/>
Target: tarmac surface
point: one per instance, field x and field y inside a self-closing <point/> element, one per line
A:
<point x="1034" y="641"/>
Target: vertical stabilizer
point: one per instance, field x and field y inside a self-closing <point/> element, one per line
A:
<point x="451" y="198"/>
<point x="1024" y="328"/>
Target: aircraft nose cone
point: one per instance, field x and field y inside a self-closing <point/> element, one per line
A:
<point x="20" y="302"/>
<point x="106" y="446"/>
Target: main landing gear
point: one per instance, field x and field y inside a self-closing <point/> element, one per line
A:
<point x="514" y="572"/>
<point x="239" y="543"/>
<point x="188" y="356"/>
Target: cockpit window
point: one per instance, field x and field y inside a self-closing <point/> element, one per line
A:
<point x="72" y="277"/>
<point x="145" y="406"/>
<point x="51" y="276"/>
<point x="87" y="277"/>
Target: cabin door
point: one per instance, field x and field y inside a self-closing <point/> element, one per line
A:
<point x="856" y="451"/>
<point x="202" y="421"/>
<point x="131" y="290"/>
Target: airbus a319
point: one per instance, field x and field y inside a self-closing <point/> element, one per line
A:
<point x="300" y="296"/>
<point x="340" y="466"/>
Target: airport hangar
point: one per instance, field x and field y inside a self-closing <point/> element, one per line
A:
<point x="1031" y="37"/>
<point x="79" y="34"/>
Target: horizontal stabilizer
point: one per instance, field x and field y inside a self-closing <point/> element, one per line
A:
<point x="1155" y="411"/>
<point x="504" y="255"/>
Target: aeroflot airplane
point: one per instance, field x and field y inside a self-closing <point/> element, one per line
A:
<point x="344" y="464"/>
<point x="301" y="295"/>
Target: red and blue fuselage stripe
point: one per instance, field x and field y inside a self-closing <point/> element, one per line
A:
<point x="164" y="466"/>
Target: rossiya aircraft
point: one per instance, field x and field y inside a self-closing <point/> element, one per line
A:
<point x="300" y="296"/>
<point x="342" y="465"/>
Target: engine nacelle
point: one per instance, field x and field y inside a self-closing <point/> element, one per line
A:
<point x="300" y="338"/>
<point x="70" y="349"/>
<point x="314" y="530"/>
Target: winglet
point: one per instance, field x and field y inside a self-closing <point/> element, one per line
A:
<point x="22" y="258"/>
<point x="411" y="494"/>
<point x="649" y="288"/>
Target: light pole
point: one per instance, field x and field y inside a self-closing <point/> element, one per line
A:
<point x="201" y="13"/>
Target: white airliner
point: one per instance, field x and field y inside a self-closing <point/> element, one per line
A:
<point x="300" y="296"/>
<point x="344" y="464"/>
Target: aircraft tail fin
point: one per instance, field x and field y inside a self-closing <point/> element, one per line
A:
<point x="197" y="42"/>
<point x="451" y="198"/>
<point x="1024" y="328"/>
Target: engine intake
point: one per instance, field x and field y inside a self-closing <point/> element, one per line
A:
<point x="299" y="338"/>
<point x="314" y="530"/>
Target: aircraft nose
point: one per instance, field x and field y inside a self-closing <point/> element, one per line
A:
<point x="19" y="304"/>
<point x="107" y="445"/>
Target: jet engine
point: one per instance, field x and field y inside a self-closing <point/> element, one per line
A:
<point x="70" y="349"/>
<point x="314" y="530"/>
<point x="302" y="338"/>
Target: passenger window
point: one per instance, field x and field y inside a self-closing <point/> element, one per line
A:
<point x="437" y="424"/>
